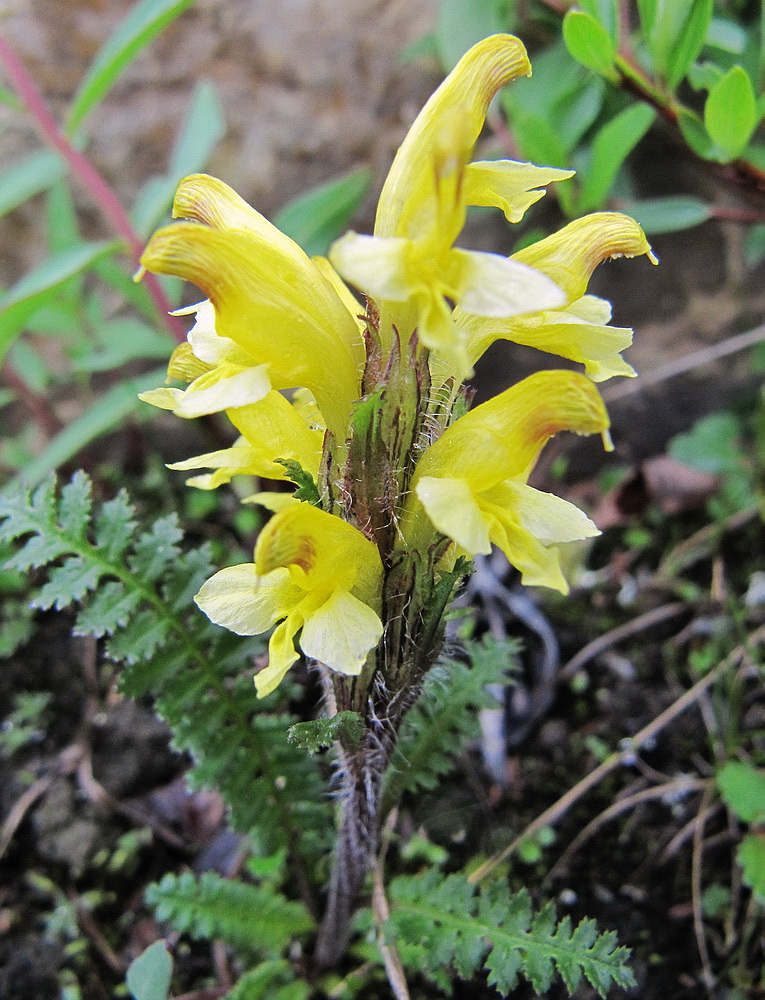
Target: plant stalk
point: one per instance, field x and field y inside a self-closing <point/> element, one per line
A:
<point x="362" y="772"/>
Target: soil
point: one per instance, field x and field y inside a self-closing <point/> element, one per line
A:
<point x="310" y="90"/>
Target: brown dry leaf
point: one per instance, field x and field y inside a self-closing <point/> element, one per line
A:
<point x="661" y="481"/>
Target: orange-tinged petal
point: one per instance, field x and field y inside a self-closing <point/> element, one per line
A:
<point x="321" y="551"/>
<point x="205" y="199"/>
<point x="571" y="255"/>
<point x="501" y="439"/>
<point x="277" y="307"/>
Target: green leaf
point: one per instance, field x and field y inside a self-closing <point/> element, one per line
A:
<point x="111" y="410"/>
<point x="67" y="583"/>
<point x="123" y="339"/>
<point x="743" y="791"/>
<point x="647" y="10"/>
<point x="10" y="100"/>
<point x="711" y="445"/>
<point x="318" y="217"/>
<point x="26" y="178"/>
<point x="751" y="857"/>
<point x="252" y="917"/>
<point x="704" y="75"/>
<point x="109" y="609"/>
<point x="317" y="734"/>
<point x="202" y="130"/>
<point x="115" y="525"/>
<point x="139" y="639"/>
<point x="692" y="32"/>
<point x="589" y="43"/>
<point x="613" y="143"/>
<point x="61" y="217"/>
<point x="442" y="921"/>
<point x="307" y="489"/>
<point x="606" y="12"/>
<point x="694" y="133"/>
<point x="156" y="548"/>
<point x="144" y="22"/>
<point x="675" y="32"/>
<point x="462" y="23"/>
<point x="730" y="113"/>
<point x="271" y="980"/>
<point x="754" y="244"/>
<point x="34" y="288"/>
<point x="728" y="36"/>
<point x="670" y="214"/>
<point x="75" y="504"/>
<point x="149" y="975"/>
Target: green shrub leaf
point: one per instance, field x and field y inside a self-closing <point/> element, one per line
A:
<point x="731" y="114"/>
<point x="144" y="22"/>
<point x="149" y="975"/>
<point x="692" y="27"/>
<point x="670" y="214"/>
<point x="589" y="43"/>
<point x="675" y="33"/>
<point x="743" y="790"/>
<point x="606" y="12"/>
<point x="28" y="177"/>
<point x="318" y="217"/>
<point x="751" y="857"/>
<point x="610" y="147"/>
<point x="694" y="133"/>
<point x="36" y="287"/>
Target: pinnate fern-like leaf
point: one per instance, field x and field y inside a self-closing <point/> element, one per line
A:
<point x="253" y="917"/>
<point x="135" y="588"/>
<point x="445" y="719"/>
<point x="444" y="922"/>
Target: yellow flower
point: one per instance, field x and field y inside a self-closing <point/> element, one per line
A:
<point x="313" y="574"/>
<point x="273" y="428"/>
<point x="472" y="481"/>
<point x="222" y="375"/>
<point x="578" y="329"/>
<point x="276" y="305"/>
<point x="410" y="266"/>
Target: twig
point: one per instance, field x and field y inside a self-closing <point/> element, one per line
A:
<point x="688" y="362"/>
<point x="90" y="928"/>
<point x="394" y="968"/>
<point x="81" y="168"/>
<point x="603" y="642"/>
<point x="683" y="834"/>
<point x="677" y="786"/>
<point x="699" y="544"/>
<point x="698" y="915"/>
<point x="619" y="757"/>
<point x="20" y="808"/>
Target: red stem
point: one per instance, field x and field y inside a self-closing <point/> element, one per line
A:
<point x="88" y="176"/>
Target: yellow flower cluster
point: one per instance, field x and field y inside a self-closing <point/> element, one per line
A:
<point x="375" y="410"/>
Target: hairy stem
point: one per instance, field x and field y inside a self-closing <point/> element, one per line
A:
<point x="362" y="771"/>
